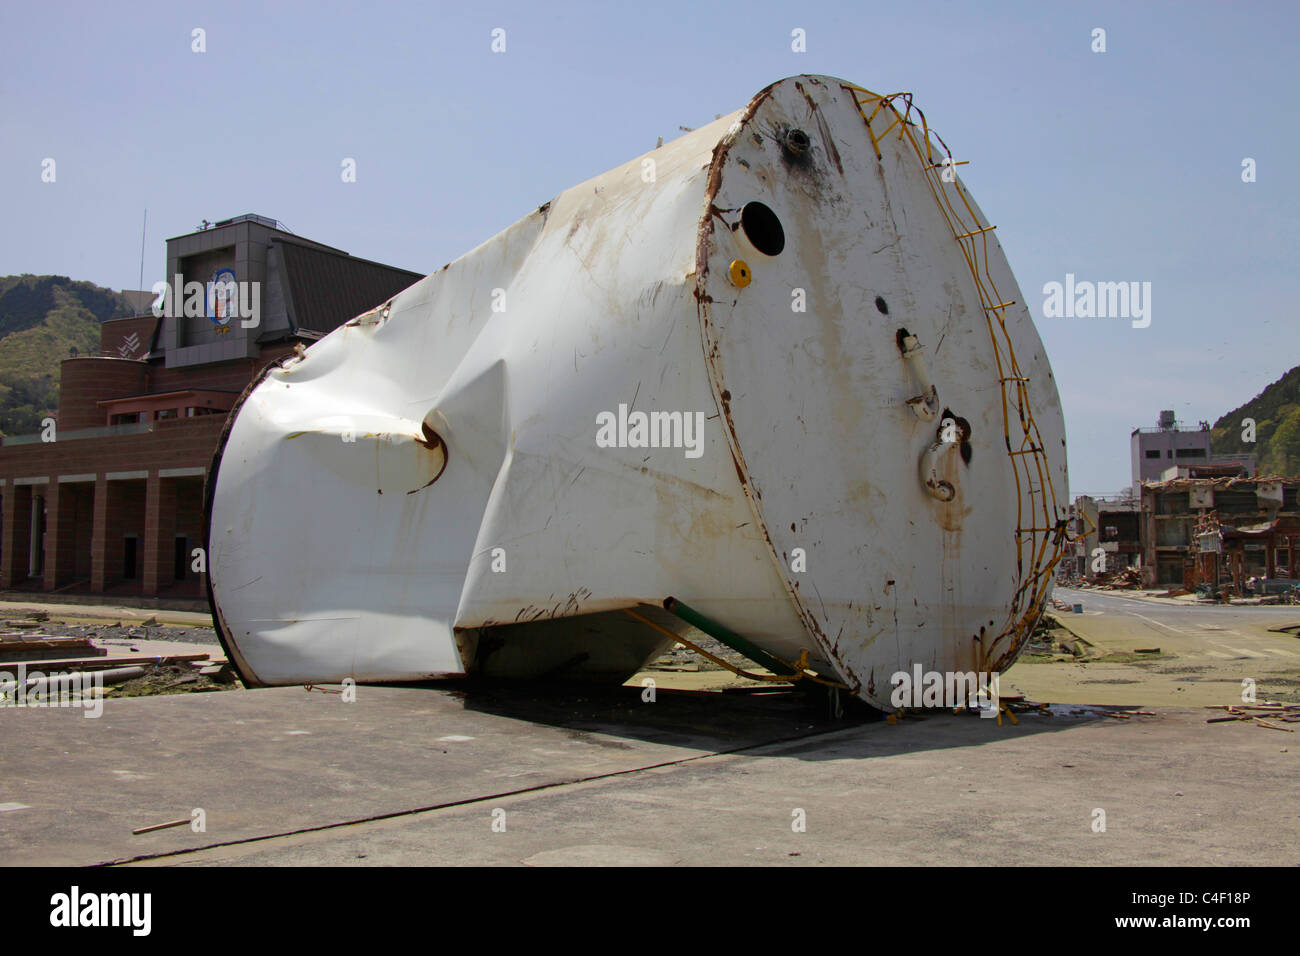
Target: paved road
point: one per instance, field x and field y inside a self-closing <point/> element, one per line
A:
<point x="1208" y="655"/>
<point x="1189" y="631"/>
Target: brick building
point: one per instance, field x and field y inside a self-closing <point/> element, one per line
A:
<point x="110" y="498"/>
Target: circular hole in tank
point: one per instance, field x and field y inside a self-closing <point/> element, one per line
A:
<point x="762" y="228"/>
<point x="797" y="142"/>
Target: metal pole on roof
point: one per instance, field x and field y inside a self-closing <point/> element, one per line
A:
<point x="143" y="227"/>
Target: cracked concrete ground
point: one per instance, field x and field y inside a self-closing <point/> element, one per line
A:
<point x="442" y="775"/>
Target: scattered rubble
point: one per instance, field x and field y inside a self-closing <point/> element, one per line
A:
<point x="1121" y="579"/>
<point x="681" y="658"/>
<point x="31" y="639"/>
<point x="1051" y="641"/>
<point x="184" y="678"/>
<point x="1257" y="714"/>
<point x="115" y="631"/>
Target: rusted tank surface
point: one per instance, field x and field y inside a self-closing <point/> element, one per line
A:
<point x="778" y="370"/>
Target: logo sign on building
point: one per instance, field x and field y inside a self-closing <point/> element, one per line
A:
<point x="222" y="299"/>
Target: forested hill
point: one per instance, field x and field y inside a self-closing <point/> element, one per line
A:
<point x="43" y="320"/>
<point x="1276" y="413"/>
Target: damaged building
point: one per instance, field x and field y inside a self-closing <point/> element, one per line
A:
<point x="1111" y="524"/>
<point x="1153" y="451"/>
<point x="1219" y="530"/>
<point x="1115" y="532"/>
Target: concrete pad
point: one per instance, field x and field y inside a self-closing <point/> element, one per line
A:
<point x="946" y="790"/>
<point x="264" y="762"/>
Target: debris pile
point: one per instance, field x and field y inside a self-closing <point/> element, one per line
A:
<point x="681" y="658"/>
<point x="190" y="677"/>
<point x="1052" y="640"/>
<point x="1262" y="715"/>
<point x="130" y="659"/>
<point x="1121" y="579"/>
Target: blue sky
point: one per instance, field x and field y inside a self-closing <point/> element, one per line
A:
<point x="1115" y="166"/>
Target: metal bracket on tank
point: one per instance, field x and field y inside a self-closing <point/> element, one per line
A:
<point x="931" y="470"/>
<point x="925" y="405"/>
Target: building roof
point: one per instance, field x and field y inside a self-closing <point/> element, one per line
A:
<point x="1236" y="481"/>
<point x="140" y="300"/>
<point x="326" y="289"/>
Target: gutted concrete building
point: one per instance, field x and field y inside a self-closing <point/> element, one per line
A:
<point x="1110" y="524"/>
<point x="1113" y="534"/>
<point x="1219" y="530"/>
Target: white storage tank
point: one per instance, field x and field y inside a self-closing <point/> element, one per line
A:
<point x="776" y="375"/>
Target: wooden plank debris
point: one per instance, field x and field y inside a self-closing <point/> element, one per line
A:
<point x="161" y="826"/>
<point x="1255" y="713"/>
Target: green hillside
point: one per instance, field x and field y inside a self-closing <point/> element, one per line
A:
<point x="43" y="320"/>
<point x="1276" y="412"/>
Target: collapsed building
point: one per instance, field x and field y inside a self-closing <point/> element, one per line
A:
<point x="1132" y="538"/>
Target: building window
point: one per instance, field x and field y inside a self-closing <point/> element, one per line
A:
<point x="1191" y="453"/>
<point x="168" y="413"/>
<point x="1153" y="452"/>
<point x="125" y="418"/>
<point x="181" y="557"/>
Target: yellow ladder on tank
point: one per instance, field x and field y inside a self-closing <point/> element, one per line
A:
<point x="1041" y="534"/>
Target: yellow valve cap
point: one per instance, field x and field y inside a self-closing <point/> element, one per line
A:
<point x="740" y="272"/>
